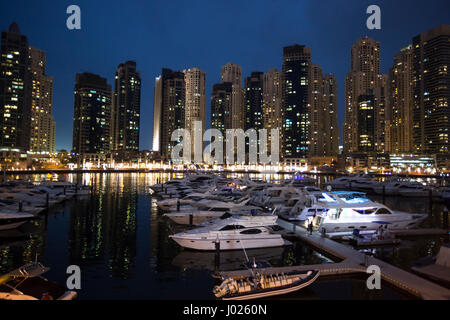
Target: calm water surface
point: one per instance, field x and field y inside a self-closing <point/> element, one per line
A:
<point x="120" y="240"/>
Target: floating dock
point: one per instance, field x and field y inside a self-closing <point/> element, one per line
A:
<point x="354" y="262"/>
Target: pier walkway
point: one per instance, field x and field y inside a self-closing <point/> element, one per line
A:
<point x="354" y="262"/>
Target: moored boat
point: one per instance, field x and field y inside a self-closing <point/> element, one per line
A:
<point x="262" y="285"/>
<point x="26" y="283"/>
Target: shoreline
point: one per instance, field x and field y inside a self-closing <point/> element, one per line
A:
<point x="96" y="171"/>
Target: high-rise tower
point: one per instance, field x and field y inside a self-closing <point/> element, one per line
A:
<point x="126" y="112"/>
<point x="92" y="115"/>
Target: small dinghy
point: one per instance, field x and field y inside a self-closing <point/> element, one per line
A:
<point x="261" y="285"/>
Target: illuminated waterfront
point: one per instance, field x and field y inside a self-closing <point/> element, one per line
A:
<point x="120" y="241"/>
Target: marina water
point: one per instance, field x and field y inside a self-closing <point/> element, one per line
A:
<point x="121" y="242"/>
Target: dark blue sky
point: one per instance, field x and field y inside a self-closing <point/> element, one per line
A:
<point x="207" y="34"/>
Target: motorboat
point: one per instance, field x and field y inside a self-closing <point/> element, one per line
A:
<point x="262" y="285"/>
<point x="332" y="214"/>
<point x="274" y="196"/>
<point x="246" y="221"/>
<point x="229" y="237"/>
<point x="11" y="220"/>
<point x="341" y="183"/>
<point x="194" y="199"/>
<point x="362" y="184"/>
<point x="67" y="189"/>
<point x="197" y="217"/>
<point x="27" y="283"/>
<point x="209" y="211"/>
<point x="417" y="190"/>
<point x="8" y="205"/>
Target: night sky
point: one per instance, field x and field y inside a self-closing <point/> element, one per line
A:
<point x="207" y="34"/>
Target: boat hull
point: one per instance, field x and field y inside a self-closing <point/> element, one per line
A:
<point x="231" y="244"/>
<point x="12" y="225"/>
<point x="277" y="292"/>
<point x="370" y="225"/>
<point x="197" y="218"/>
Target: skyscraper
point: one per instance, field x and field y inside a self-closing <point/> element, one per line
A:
<point x="272" y="113"/>
<point x="401" y="102"/>
<point x="295" y="93"/>
<point x="330" y="116"/>
<point x="126" y="111"/>
<point x="253" y="102"/>
<point x="42" y="130"/>
<point x="92" y="115"/>
<point x="366" y="122"/>
<point x="381" y="105"/>
<point x="363" y="77"/>
<point x="195" y="107"/>
<point x="431" y="90"/>
<point x="168" y="103"/>
<point x="317" y="111"/>
<point x="15" y="97"/>
<point x="221" y="104"/>
<point x="324" y="132"/>
<point x="233" y="73"/>
<point x="174" y="99"/>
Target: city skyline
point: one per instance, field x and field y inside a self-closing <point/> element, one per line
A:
<point x="264" y="54"/>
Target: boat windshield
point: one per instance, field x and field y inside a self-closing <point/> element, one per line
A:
<point x="366" y="211"/>
<point x="383" y="211"/>
<point x="232" y="227"/>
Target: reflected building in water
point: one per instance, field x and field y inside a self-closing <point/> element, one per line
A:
<point x="104" y="228"/>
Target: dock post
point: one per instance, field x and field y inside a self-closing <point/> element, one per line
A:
<point x="430" y="199"/>
<point x="20" y="206"/>
<point x="217" y="255"/>
<point x="191" y="220"/>
<point x="445" y="217"/>
<point x="178" y="205"/>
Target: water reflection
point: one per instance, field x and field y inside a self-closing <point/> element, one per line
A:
<point x="104" y="227"/>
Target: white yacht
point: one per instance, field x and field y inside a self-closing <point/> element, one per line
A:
<point x="388" y="187"/>
<point x="202" y="215"/>
<point x="230" y="237"/>
<point x="333" y="214"/>
<point x="416" y="190"/>
<point x="194" y="199"/>
<point x="340" y="183"/>
<point x="246" y="221"/>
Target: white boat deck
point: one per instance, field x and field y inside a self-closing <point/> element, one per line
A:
<point x="353" y="261"/>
